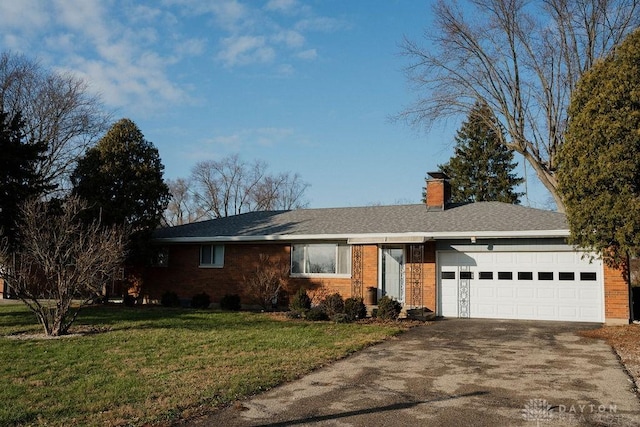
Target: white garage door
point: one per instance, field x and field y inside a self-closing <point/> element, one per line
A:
<point x="520" y="285"/>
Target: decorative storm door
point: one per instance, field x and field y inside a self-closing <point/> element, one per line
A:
<point x="392" y="283"/>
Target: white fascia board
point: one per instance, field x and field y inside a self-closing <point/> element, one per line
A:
<point x="499" y="234"/>
<point x="373" y="238"/>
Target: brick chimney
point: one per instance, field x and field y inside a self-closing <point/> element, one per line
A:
<point x="438" y="191"/>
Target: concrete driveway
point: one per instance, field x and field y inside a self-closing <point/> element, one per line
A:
<point x="457" y="372"/>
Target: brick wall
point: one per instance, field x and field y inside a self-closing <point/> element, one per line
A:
<point x="184" y="276"/>
<point x="616" y="295"/>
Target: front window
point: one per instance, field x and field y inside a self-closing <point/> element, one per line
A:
<point x="322" y="258"/>
<point x="211" y="255"/>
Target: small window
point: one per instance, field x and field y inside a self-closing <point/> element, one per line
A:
<point x="567" y="275"/>
<point x="466" y="275"/>
<point x="485" y="275"/>
<point x="588" y="277"/>
<point x="545" y="275"/>
<point x="525" y="275"/>
<point x="505" y="275"/>
<point x="448" y="275"/>
<point x="211" y="255"/>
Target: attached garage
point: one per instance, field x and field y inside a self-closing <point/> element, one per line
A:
<point x="528" y="285"/>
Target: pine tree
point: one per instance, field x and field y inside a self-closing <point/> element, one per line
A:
<point x="19" y="179"/>
<point x="482" y="167"/>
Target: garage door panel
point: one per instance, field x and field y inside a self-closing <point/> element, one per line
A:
<point x="544" y="311"/>
<point x="567" y="293"/>
<point x="545" y="292"/>
<point x="525" y="292"/>
<point x="523" y="295"/>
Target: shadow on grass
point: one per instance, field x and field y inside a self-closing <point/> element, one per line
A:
<point x="366" y="411"/>
<point x="16" y="315"/>
<point x="156" y="317"/>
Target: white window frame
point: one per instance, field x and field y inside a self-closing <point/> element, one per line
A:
<point x="217" y="252"/>
<point x="305" y="246"/>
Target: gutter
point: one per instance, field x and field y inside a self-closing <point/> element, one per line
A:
<point x="371" y="238"/>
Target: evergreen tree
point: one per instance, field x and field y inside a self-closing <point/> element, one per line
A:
<point x="482" y="167"/>
<point x="599" y="164"/>
<point x="121" y="178"/>
<point x="19" y="179"/>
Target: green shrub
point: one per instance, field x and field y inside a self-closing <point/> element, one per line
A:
<point x="316" y="313"/>
<point x="354" y="309"/>
<point x="341" y="318"/>
<point x="202" y="300"/>
<point x="170" y="299"/>
<point x="230" y="302"/>
<point x="295" y="314"/>
<point x="129" y="300"/>
<point x="300" y="301"/>
<point x="388" y="308"/>
<point x="332" y="305"/>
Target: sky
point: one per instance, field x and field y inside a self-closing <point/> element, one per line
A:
<point x="307" y="86"/>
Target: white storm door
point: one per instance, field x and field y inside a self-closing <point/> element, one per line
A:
<point x="392" y="273"/>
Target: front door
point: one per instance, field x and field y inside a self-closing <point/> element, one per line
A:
<point x="392" y="280"/>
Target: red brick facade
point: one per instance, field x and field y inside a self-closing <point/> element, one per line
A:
<point x="184" y="276"/>
<point x="616" y="296"/>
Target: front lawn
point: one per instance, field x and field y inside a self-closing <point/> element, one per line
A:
<point x="152" y="364"/>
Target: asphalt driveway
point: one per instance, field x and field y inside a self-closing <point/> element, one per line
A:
<point x="457" y="373"/>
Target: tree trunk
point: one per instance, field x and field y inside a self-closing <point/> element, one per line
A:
<point x="547" y="178"/>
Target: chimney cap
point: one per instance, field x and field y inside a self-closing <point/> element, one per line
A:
<point x="438" y="175"/>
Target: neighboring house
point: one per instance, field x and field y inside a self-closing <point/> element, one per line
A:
<point x="482" y="260"/>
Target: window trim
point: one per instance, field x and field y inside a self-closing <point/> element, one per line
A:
<point x="322" y="275"/>
<point x="213" y="247"/>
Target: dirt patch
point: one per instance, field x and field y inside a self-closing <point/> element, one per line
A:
<point x="625" y="341"/>
<point x="77" y="331"/>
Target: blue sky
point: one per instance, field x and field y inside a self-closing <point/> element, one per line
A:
<point x="307" y="86"/>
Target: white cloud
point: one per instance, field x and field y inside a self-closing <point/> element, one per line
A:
<point x="321" y="23"/>
<point x="24" y="14"/>
<point x="281" y="5"/>
<point x="309" y="54"/>
<point x="266" y="136"/>
<point x="243" y="50"/>
<point x="290" y="38"/>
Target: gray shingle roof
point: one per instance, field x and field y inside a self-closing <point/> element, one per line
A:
<point x="484" y="218"/>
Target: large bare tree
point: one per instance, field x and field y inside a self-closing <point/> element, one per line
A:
<point x="61" y="261"/>
<point x="522" y="58"/>
<point x="57" y="108"/>
<point x="231" y="186"/>
<point x="182" y="207"/>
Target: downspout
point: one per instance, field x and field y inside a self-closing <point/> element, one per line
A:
<point x="630" y="291"/>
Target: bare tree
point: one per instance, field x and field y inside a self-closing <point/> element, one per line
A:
<point x="61" y="260"/>
<point x="231" y="186"/>
<point x="223" y="187"/>
<point x="280" y="192"/>
<point x="182" y="207"/>
<point x="521" y="58"/>
<point x="57" y="108"/>
<point x="267" y="281"/>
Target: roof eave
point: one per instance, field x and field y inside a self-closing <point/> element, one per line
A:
<point x="371" y="238"/>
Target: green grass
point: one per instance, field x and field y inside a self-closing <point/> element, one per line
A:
<point x="151" y="364"/>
